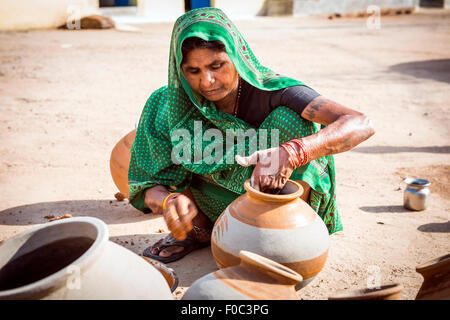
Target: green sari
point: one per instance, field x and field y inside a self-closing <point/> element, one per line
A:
<point x="214" y="180"/>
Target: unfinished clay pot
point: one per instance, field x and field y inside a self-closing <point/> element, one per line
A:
<point x="255" y="278"/>
<point x="120" y="162"/>
<point x="73" y="259"/>
<point x="436" y="274"/>
<point x="386" y="292"/>
<point x="281" y="227"/>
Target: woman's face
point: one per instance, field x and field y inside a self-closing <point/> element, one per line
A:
<point x="210" y="73"/>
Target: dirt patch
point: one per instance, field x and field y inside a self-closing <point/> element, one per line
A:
<point x="66" y="98"/>
<point x="438" y="175"/>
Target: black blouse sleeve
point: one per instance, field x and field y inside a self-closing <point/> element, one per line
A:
<point x="296" y="98"/>
<point x="256" y="104"/>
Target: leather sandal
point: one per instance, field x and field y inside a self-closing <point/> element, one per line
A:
<point x="189" y="244"/>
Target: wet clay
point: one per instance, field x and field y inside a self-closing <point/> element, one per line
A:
<point x="42" y="262"/>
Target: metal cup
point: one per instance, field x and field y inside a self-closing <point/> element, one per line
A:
<point x="416" y="194"/>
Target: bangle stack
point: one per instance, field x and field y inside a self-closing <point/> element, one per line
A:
<point x="293" y="155"/>
<point x="302" y="147"/>
<point x="299" y="158"/>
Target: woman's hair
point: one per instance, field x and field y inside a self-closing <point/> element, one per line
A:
<point x="192" y="43"/>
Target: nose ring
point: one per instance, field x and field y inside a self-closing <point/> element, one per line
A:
<point x="212" y="80"/>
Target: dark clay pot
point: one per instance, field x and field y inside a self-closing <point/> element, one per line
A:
<point x="386" y="292"/>
<point x="436" y="274"/>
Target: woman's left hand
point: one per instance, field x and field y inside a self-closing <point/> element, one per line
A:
<point x="272" y="171"/>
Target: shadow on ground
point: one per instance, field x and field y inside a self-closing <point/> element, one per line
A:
<point x="393" y="149"/>
<point x="435" y="227"/>
<point x="438" y="70"/>
<point x="110" y="211"/>
<point x="380" y="209"/>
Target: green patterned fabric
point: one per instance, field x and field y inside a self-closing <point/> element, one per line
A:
<point x="171" y="147"/>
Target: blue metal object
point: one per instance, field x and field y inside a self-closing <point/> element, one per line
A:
<point x="195" y="4"/>
<point x="121" y="3"/>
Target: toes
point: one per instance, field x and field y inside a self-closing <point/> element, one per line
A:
<point x="154" y="248"/>
<point x="165" y="253"/>
<point x="169" y="251"/>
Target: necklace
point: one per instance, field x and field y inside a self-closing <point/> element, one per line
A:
<point x="236" y="105"/>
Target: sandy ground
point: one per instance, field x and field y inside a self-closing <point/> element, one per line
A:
<point x="67" y="97"/>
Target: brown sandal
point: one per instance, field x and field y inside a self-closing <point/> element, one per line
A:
<point x="189" y="244"/>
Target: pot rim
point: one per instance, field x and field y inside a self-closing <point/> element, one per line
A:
<point x="52" y="281"/>
<point x="416" y="182"/>
<point x="274" y="197"/>
<point x="360" y="294"/>
<point x="162" y="268"/>
<point x="270" y="265"/>
<point x="434" y="263"/>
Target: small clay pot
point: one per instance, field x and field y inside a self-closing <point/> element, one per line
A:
<point x="120" y="162"/>
<point x="436" y="274"/>
<point x="281" y="227"/>
<point x="386" y="292"/>
<point x="255" y="278"/>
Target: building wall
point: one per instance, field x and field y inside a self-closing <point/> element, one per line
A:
<point x="160" y="10"/>
<point x="240" y="9"/>
<point x="320" y="7"/>
<point x="34" y="14"/>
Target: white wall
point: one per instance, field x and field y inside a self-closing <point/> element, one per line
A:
<point x="306" y="7"/>
<point x="34" y="14"/>
<point x="240" y="9"/>
<point x="160" y="10"/>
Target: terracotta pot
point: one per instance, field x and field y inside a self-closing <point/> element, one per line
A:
<point x="436" y="274"/>
<point x="280" y="227"/>
<point x="386" y="292"/>
<point x="73" y="259"/>
<point x="120" y="162"/>
<point x="168" y="273"/>
<point x="255" y="278"/>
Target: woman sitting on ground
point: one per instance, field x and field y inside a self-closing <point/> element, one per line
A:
<point x="217" y="87"/>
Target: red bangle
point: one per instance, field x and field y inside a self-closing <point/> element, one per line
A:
<point x="302" y="151"/>
<point x="305" y="155"/>
<point x="293" y="156"/>
<point x="288" y="152"/>
<point x="306" y="160"/>
<point x="294" y="151"/>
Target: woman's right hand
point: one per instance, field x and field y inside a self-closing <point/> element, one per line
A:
<point x="178" y="213"/>
<point x="273" y="168"/>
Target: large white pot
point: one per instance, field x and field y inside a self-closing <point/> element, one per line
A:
<point x="81" y="264"/>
